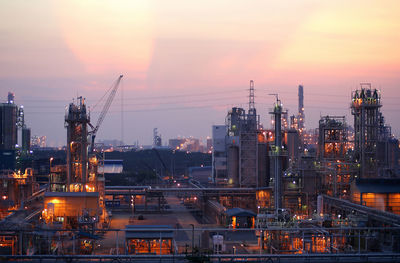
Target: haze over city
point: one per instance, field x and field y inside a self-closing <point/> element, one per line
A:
<point x="185" y="64"/>
<point x="199" y="131"/>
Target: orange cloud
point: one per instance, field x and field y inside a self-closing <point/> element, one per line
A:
<point x="344" y="35"/>
<point x="108" y="36"/>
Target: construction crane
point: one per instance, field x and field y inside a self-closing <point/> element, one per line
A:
<point x="104" y="111"/>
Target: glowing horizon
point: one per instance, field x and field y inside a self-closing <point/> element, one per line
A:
<point x="57" y="49"/>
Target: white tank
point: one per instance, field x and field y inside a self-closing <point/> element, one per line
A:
<point x="218" y="244"/>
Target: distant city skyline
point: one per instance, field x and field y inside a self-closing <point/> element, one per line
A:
<point x="185" y="65"/>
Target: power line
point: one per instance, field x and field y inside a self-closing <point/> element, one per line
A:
<point x="145" y="97"/>
<point x="204" y="106"/>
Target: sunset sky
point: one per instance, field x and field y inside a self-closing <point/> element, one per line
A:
<point x="185" y="63"/>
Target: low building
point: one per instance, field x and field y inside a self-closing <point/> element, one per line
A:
<point x="381" y="194"/>
<point x="149" y="239"/>
<point x="71" y="208"/>
<point x="240" y="218"/>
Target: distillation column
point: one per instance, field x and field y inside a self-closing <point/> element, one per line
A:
<point x="365" y="106"/>
<point x="277" y="112"/>
<point x="76" y="121"/>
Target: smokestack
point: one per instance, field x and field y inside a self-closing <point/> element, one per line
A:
<point x="300" y="117"/>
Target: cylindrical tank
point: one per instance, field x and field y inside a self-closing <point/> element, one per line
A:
<point x="233" y="165"/>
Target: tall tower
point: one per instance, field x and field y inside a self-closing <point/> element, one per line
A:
<point x="8" y="124"/>
<point x="156" y="138"/>
<point x="26" y="132"/>
<point x="251" y="97"/>
<point x="248" y="150"/>
<point x="277" y="153"/>
<point x="365" y="108"/>
<point x="300" y="117"/>
<point x="252" y="114"/>
<point x="76" y="121"/>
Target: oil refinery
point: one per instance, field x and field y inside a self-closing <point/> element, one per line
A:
<point x="262" y="194"/>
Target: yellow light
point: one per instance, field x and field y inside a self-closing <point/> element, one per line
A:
<point x="55" y="201"/>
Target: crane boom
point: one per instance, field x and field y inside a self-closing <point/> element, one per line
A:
<point x="104" y="111"/>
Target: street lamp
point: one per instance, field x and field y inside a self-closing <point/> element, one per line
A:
<point x="51" y="159"/>
<point x="192" y="239"/>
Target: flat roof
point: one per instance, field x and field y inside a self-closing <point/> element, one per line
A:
<point x="149" y="232"/>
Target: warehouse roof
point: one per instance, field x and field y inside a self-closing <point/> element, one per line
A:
<point x="148" y="232"/>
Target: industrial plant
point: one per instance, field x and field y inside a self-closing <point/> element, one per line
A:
<point x="256" y="193"/>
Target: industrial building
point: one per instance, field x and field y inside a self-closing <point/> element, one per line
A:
<point x="8" y="124"/>
<point x="240" y="150"/>
<point x="12" y="119"/>
<point x="280" y="191"/>
<point x="375" y="148"/>
<point x="15" y="188"/>
<point x="76" y="193"/>
<point x="335" y="166"/>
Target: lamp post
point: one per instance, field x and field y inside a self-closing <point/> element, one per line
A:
<point x="192" y="239"/>
<point x="51" y="160"/>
